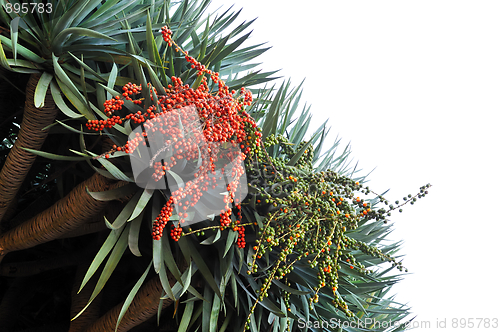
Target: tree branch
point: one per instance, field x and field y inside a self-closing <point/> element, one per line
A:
<point x="143" y="307"/>
<point x="31" y="135"/>
<point x="66" y="215"/>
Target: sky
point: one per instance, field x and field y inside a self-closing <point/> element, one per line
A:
<point x="414" y="86"/>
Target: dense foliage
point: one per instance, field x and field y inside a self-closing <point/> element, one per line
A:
<point x="305" y="246"/>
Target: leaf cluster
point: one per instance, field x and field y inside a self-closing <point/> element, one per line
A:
<point x="85" y="49"/>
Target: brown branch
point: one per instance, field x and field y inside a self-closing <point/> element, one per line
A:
<point x="143" y="307"/>
<point x="61" y="170"/>
<point x="113" y="209"/>
<point x="87" y="228"/>
<point x="66" y="215"/>
<point x="38" y="205"/>
<point x="31" y="135"/>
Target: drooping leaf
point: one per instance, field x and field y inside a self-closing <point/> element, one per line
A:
<point x="76" y="99"/>
<point x="186" y="317"/>
<point x="214" y="314"/>
<point x="112" y="79"/>
<point x="87" y="68"/>
<point x="133" y="236"/>
<point x="207" y="309"/>
<point x="14" y="32"/>
<point x="170" y="260"/>
<point x="21" y="50"/>
<point x="212" y="239"/>
<point x="131" y="296"/>
<point x="166" y="284"/>
<point x="113" y="194"/>
<point x="125" y="213"/>
<point x="231" y="239"/>
<point x="141" y="204"/>
<point x="55" y="156"/>
<point x="58" y="99"/>
<point x="101" y="255"/>
<point x="112" y="169"/>
<point x="3" y="58"/>
<point x="58" y="40"/>
<point x="188" y="247"/>
<point x="112" y="262"/>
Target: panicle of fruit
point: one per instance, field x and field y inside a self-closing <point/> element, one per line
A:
<point x="222" y="118"/>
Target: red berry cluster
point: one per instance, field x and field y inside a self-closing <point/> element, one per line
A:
<point x="167" y="35"/>
<point x="241" y="236"/>
<point x="176" y="232"/>
<point x="131" y="89"/>
<point x="162" y="220"/>
<point x="221" y="119"/>
<point x="99" y="125"/>
<point x="240" y="229"/>
<point x="110" y="106"/>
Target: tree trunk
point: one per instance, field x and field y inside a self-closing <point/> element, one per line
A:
<point x="67" y="214"/>
<point x="143" y="307"/>
<point x="87" y="228"/>
<point x="31" y="136"/>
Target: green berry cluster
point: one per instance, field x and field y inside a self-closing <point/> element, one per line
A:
<point x="306" y="217"/>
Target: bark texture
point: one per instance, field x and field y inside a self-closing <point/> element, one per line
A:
<point x="143" y="307"/>
<point x="31" y="136"/>
<point x="67" y="214"/>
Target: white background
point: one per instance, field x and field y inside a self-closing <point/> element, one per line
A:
<point x="414" y="86"/>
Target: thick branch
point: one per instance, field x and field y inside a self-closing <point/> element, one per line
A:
<point x="87" y="228"/>
<point x="31" y="136"/>
<point x="143" y="307"/>
<point x="112" y="211"/>
<point x="66" y="215"/>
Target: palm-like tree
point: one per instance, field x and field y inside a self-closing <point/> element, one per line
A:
<point x="77" y="55"/>
<point x="78" y="45"/>
<point x="71" y="49"/>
